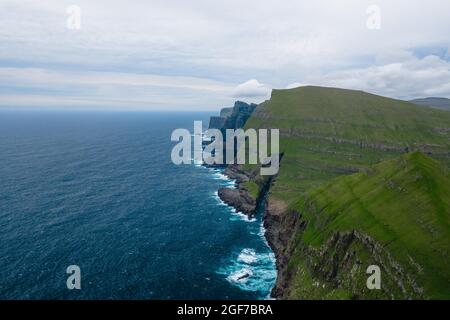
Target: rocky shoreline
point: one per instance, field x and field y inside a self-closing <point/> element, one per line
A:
<point x="332" y="264"/>
<point x="327" y="241"/>
<point x="240" y="199"/>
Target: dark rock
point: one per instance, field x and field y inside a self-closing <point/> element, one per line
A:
<point x="226" y="112"/>
<point x="238" y="173"/>
<point x="243" y="276"/>
<point x="217" y="122"/>
<point x="239" y="199"/>
<point x="241" y="112"/>
<point x="232" y="118"/>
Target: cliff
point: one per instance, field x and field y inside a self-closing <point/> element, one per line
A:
<point x="385" y="217"/>
<point x="232" y="118"/>
<point x="235" y="118"/>
<point x="217" y="122"/>
<point x="348" y="195"/>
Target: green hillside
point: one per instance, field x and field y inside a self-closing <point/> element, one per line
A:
<point x="327" y="132"/>
<point x="402" y="204"/>
<point x="433" y="102"/>
<point x="363" y="180"/>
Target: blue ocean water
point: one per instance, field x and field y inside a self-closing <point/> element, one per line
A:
<point x="98" y="190"/>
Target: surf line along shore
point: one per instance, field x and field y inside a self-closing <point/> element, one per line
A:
<point x="236" y="141"/>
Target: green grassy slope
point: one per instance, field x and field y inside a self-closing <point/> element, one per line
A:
<point x="403" y="204"/>
<point x="327" y="132"/>
<point x="351" y="163"/>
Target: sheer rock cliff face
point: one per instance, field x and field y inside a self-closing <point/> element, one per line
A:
<point x="217" y="122"/>
<point x="280" y="229"/>
<point x="334" y="267"/>
<point x="226" y="112"/>
<point x="318" y="256"/>
<point x="239" y="198"/>
<point x="232" y="118"/>
<point x="241" y="112"/>
<point x="277" y="232"/>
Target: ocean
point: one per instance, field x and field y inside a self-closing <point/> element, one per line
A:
<point x="98" y="190"/>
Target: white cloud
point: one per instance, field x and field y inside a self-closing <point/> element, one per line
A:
<point x="251" y="89"/>
<point x="295" y="85"/>
<point x="223" y="43"/>
<point x="45" y="77"/>
<point x="401" y="78"/>
<point x="109" y="90"/>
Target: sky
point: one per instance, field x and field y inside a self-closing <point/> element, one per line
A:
<point x="179" y="55"/>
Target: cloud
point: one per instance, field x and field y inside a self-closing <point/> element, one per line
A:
<point x="174" y="42"/>
<point x="44" y="77"/>
<point x="401" y="78"/>
<point x="295" y="85"/>
<point x="70" y="88"/>
<point x="251" y="89"/>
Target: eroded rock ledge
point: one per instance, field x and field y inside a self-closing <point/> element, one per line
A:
<point x="336" y="264"/>
<point x="238" y="199"/>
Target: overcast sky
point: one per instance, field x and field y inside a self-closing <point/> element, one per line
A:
<point x="203" y="55"/>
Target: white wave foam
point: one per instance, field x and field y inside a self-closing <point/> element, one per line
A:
<point x="219" y="201"/>
<point x="230" y="183"/>
<point x="235" y="215"/>
<point x="262" y="233"/>
<point x="220" y="176"/>
<point x="251" y="271"/>
<point x="239" y="216"/>
<point x="248" y="256"/>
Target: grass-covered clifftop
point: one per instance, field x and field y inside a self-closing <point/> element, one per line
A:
<point x="404" y="206"/>
<point x="327" y="132"/>
<point x="363" y="180"/>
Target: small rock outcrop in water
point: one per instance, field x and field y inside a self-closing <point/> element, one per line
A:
<point x="243" y="276"/>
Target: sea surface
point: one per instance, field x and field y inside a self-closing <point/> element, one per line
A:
<point x="99" y="190"/>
